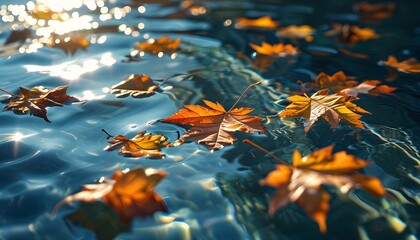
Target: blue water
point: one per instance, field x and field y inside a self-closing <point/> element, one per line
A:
<point x="210" y="195"/>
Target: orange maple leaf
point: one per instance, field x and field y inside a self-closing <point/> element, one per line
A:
<point x="129" y="194"/>
<point x="213" y="125"/>
<point x="410" y="65"/>
<point x="302" y="182"/>
<point x="265" y="22"/>
<point x="163" y="44"/>
<point x="267" y="54"/>
<point x="372" y="87"/>
<point x="332" y="108"/>
<point x="297" y="32"/>
<point x="336" y="82"/>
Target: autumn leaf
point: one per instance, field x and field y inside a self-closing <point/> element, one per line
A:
<point x="42" y="11"/>
<point x="372" y="87"/>
<point x="303" y="182"/>
<point x="36" y="100"/>
<point x="374" y="11"/>
<point x="142" y="144"/>
<point x="163" y="44"/>
<point x="135" y="85"/>
<point x="129" y="194"/>
<point x="332" y="108"/>
<point x="267" y="54"/>
<point x="410" y="65"/>
<point x="69" y="44"/>
<point x="213" y="125"/>
<point x="18" y="36"/>
<point x="297" y="32"/>
<point x="351" y="34"/>
<point x="265" y="22"/>
<point x="335" y="83"/>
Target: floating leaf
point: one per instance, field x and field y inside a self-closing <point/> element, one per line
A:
<point x="18" y="36"/>
<point x="213" y="125"/>
<point x="374" y="11"/>
<point x="336" y="82"/>
<point x="163" y="44"/>
<point x="265" y="22"/>
<point x="297" y="32"/>
<point x="332" y="108"/>
<point x="35" y="100"/>
<point x="142" y="144"/>
<point x="372" y="87"/>
<point x="410" y="65"/>
<point x="69" y="44"/>
<point x="302" y="183"/>
<point x="128" y="194"/>
<point x="351" y="34"/>
<point x="267" y="54"/>
<point x="135" y="85"/>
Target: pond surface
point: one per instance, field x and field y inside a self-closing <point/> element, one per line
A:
<point x="209" y="194"/>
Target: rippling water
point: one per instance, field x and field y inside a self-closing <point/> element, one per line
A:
<point x="210" y="195"/>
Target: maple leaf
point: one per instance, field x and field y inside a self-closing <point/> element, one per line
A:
<point x="69" y="44"/>
<point x="141" y="145"/>
<point x="265" y="22"/>
<point x="372" y="87"/>
<point x="374" y="11"/>
<point x="297" y="32"/>
<point x="135" y="85"/>
<point x="335" y="83"/>
<point x="213" y="125"/>
<point x="163" y="44"/>
<point x="332" y="108"/>
<point x="351" y="34"/>
<point x="302" y="182"/>
<point x="410" y="65"/>
<point x="35" y="100"/>
<point x="129" y="194"/>
<point x="268" y="54"/>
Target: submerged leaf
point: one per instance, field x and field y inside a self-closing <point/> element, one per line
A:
<point x="213" y="125"/>
<point x="297" y="32"/>
<point x="163" y="44"/>
<point x="36" y="100"/>
<point x="303" y="182"/>
<point x="142" y="144"/>
<point x="332" y="108"/>
<point x="136" y="86"/>
<point x="128" y="194"/>
<point x="265" y="22"/>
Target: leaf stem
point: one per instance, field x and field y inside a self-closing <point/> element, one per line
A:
<point x="12" y="94"/>
<point x="108" y="135"/>
<point x="265" y="150"/>
<point x="243" y="94"/>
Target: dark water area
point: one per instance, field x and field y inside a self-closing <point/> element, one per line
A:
<point x="209" y="194"/>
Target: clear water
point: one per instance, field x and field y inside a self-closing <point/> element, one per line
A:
<point x="210" y="195"/>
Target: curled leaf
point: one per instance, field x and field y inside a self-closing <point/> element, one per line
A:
<point x="265" y="22"/>
<point x="135" y="85"/>
<point x="303" y="182"/>
<point x="332" y="108"/>
<point x="142" y="144"/>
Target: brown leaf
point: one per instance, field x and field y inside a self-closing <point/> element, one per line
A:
<point x="129" y="194"/>
<point x="303" y="182"/>
<point x="332" y="108"/>
<point x="136" y="86"/>
<point x="297" y="32"/>
<point x="35" y="100"/>
<point x="69" y="44"/>
<point x="213" y="125"/>
<point x="372" y="87"/>
<point x="351" y="34"/>
<point x="163" y="44"/>
<point x="374" y="11"/>
<point x="141" y="145"/>
<point x="410" y="65"/>
<point x="335" y="83"/>
<point x="265" y="22"/>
